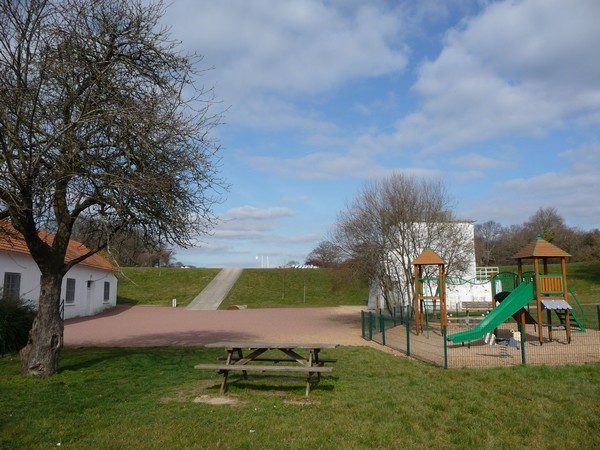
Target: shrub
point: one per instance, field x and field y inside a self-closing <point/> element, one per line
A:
<point x="16" y="318"/>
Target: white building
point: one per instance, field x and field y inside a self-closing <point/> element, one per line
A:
<point x="88" y="288"/>
<point x="462" y="289"/>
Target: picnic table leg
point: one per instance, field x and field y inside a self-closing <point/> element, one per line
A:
<point x="314" y="359"/>
<point x="308" y="384"/>
<point x="224" y="382"/>
<point x="226" y="372"/>
<point x="240" y="357"/>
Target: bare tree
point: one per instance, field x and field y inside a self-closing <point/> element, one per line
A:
<point x="488" y="237"/>
<point x="547" y="223"/>
<point x="127" y="248"/>
<point x="390" y="222"/>
<point x="325" y="254"/>
<point x="99" y="118"/>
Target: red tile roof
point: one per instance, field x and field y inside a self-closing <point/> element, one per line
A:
<point x="12" y="241"/>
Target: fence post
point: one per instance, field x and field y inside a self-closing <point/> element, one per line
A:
<point x="407" y="335"/>
<point x="382" y="328"/>
<point x="394" y="312"/>
<point x="522" y="330"/>
<point x="445" y="349"/>
<point x="362" y="323"/>
<point x="598" y="307"/>
<point x="370" y="325"/>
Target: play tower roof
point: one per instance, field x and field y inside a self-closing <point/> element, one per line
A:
<point x="428" y="257"/>
<point x="540" y="248"/>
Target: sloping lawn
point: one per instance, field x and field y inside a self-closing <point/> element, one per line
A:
<point x="158" y="286"/>
<point x="267" y="288"/>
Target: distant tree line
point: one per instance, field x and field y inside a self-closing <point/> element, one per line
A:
<point x="127" y="248"/>
<point x="496" y="244"/>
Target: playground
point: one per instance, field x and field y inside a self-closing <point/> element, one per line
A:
<point x="532" y="318"/>
<point x="429" y="347"/>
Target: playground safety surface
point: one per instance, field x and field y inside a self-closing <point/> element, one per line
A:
<point x="429" y="346"/>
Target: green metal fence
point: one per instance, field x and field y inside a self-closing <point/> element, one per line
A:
<point x="511" y="344"/>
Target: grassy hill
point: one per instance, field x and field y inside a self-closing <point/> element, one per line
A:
<point x="267" y="288"/>
<point x="256" y="288"/>
<point x="158" y="286"/>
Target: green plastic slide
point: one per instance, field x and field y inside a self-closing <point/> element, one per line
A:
<point x="517" y="299"/>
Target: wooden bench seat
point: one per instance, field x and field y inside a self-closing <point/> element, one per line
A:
<point x="226" y="368"/>
<point x="278" y="360"/>
<point x="476" y="306"/>
<point x="259" y="368"/>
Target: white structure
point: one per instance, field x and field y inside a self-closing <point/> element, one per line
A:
<point x="88" y="288"/>
<point x="462" y="288"/>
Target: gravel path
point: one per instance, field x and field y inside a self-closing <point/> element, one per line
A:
<point x="147" y="326"/>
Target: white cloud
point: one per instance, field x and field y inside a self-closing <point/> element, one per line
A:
<point x="320" y="166"/>
<point x="286" y="49"/>
<point x="250" y="212"/>
<point x="480" y="162"/>
<point x="519" y="68"/>
<point x="250" y="223"/>
<point x="572" y="191"/>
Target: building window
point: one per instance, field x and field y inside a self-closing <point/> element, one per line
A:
<point x="70" y="295"/>
<point x="106" y="291"/>
<point x="12" y="285"/>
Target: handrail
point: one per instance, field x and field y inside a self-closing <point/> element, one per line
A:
<point x="457" y="280"/>
<point x="581" y="311"/>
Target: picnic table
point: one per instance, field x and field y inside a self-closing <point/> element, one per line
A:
<point x="296" y="358"/>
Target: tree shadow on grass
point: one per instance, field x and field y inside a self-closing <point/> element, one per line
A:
<point x="118" y="348"/>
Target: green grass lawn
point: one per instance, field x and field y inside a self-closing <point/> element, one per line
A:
<point x="267" y="288"/>
<point x="143" y="398"/>
<point x="158" y="286"/>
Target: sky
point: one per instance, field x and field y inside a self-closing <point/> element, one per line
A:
<point x="499" y="100"/>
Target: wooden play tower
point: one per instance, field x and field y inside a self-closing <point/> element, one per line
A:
<point x="429" y="258"/>
<point x="550" y="289"/>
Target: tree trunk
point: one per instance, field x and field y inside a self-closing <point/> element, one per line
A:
<point x="40" y="356"/>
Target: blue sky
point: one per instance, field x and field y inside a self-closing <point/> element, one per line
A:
<point x="499" y="100"/>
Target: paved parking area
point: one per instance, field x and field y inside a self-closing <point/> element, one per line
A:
<point x="144" y="326"/>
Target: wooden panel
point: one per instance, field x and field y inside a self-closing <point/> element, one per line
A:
<point x="551" y="284"/>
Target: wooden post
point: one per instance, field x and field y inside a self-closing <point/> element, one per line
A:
<point x="549" y="319"/>
<point x="563" y="267"/>
<point x="417" y="298"/>
<point x="538" y="298"/>
<point x="442" y="289"/>
<point x="568" y="319"/>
